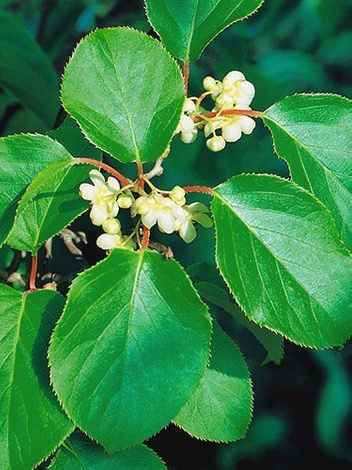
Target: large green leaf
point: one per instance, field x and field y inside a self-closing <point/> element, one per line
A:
<point x="32" y="422"/>
<point x="212" y="289"/>
<point x="221" y="407"/>
<point x="22" y="157"/>
<point x="279" y="252"/>
<point x="126" y="93"/>
<point x="26" y="71"/>
<point x="50" y="203"/>
<point x="78" y="454"/>
<point x="187" y="26"/>
<point x="313" y="133"/>
<point x="130" y="347"/>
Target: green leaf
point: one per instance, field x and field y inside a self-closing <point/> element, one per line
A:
<point x="126" y="93"/>
<point x="50" y="203"/>
<point x="221" y="407"/>
<point x="186" y="27"/>
<point x="26" y="71"/>
<point x="211" y="287"/>
<point x="313" y="134"/>
<point x="71" y="137"/>
<point x="279" y="252"/>
<point x="32" y="422"/>
<point x="22" y="157"/>
<point x="130" y="347"/>
<point x="272" y="342"/>
<point x="78" y="454"/>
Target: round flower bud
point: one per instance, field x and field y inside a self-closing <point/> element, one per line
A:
<point x="125" y="201"/>
<point x="224" y="101"/>
<point x="112" y="226"/>
<point x="216" y="91"/>
<point x="109" y="242"/>
<point x="189" y="137"/>
<point x="209" y="83"/>
<point x="187" y="124"/>
<point x="231" y="132"/>
<point x="177" y="193"/>
<point x="216" y="144"/>
<point x="189" y="106"/>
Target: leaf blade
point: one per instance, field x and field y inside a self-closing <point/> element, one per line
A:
<point x="135" y="388"/>
<point x="221" y="407"/>
<point x="283" y="260"/>
<point x="188" y="26"/>
<point x="131" y="93"/>
<point x="313" y="134"/>
<point x="31" y="432"/>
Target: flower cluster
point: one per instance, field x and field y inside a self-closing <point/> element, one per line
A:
<point x="106" y="198"/>
<point x="171" y="213"/>
<point x="167" y="210"/>
<point x="234" y="92"/>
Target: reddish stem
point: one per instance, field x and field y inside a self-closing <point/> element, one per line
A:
<point x="140" y="175"/>
<point x="186" y="75"/>
<point x="33" y="275"/>
<point x="233" y="112"/>
<point x="90" y="161"/>
<point x="198" y="189"/>
<point x="145" y="238"/>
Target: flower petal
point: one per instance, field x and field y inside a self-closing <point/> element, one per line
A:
<point x="149" y="219"/>
<point x="166" y="220"/>
<point x="99" y="214"/>
<point x="87" y="191"/>
<point x="188" y="232"/>
<point x="97" y="178"/>
<point x="113" y="184"/>
<point x="109" y="242"/>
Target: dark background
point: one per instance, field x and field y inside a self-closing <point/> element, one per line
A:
<point x="302" y="407"/>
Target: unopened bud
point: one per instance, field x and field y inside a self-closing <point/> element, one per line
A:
<point x="125" y="201"/>
<point x="112" y="226"/>
<point x="216" y="144"/>
<point x="209" y="83"/>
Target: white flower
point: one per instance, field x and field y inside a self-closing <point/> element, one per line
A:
<point x="156" y="209"/>
<point x="224" y="101"/>
<point x="216" y="143"/>
<point x="109" y="242"/>
<point x="102" y="196"/>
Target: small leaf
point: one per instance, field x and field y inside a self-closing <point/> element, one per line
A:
<point x="186" y="27"/>
<point x="130" y="347"/>
<point x="221" y="407"/>
<point x="22" y="157"/>
<point x="26" y="71"/>
<point x="272" y="342"/>
<point x="32" y="422"/>
<point x="279" y="252"/>
<point x="126" y="93"/>
<point x="78" y="453"/>
<point x="50" y="203"/>
<point x="211" y="287"/>
<point x="313" y="134"/>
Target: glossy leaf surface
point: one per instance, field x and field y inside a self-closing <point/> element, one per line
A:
<point x="32" y="422"/>
<point x="130" y="347"/>
<point x="187" y="26"/>
<point x="279" y="252"/>
<point x="313" y="133"/>
<point x="126" y="93"/>
<point x="221" y="407"/>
